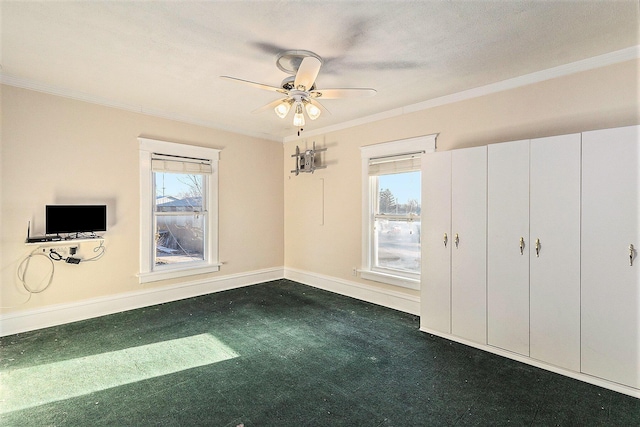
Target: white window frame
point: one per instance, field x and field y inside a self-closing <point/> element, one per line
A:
<point x="424" y="144"/>
<point x="149" y="272"/>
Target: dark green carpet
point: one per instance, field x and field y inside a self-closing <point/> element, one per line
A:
<point x="279" y="354"/>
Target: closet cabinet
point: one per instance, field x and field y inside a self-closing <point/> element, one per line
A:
<point x="530" y="250"/>
<point x="508" y="246"/>
<point x="534" y="249"/>
<point x="453" y="295"/>
<point x="554" y="250"/>
<point x="610" y="266"/>
<point x="469" y="249"/>
<point x="435" y="287"/>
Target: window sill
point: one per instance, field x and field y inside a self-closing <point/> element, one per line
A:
<point x="174" y="273"/>
<point x="390" y="279"/>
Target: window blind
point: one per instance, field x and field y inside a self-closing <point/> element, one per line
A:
<point x="395" y="164"/>
<point x="176" y="164"/>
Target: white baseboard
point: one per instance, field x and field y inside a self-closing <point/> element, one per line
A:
<point x="539" y="364"/>
<point x="384" y="297"/>
<point x="29" y="320"/>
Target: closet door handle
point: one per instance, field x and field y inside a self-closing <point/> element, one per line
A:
<point x="522" y="246"/>
<point x="537" y="247"/>
<point x="445" y="239"/>
<point x="631" y="253"/>
<point x="456" y="240"/>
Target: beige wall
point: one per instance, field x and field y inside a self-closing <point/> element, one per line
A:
<point x="58" y="150"/>
<point x="596" y="99"/>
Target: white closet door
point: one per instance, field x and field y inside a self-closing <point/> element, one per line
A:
<point x="469" y="255"/>
<point x="610" y="224"/>
<point x="507" y="266"/>
<point x="554" y="178"/>
<point x="435" y="294"/>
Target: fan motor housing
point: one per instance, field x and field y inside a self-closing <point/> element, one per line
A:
<point x="288" y="84"/>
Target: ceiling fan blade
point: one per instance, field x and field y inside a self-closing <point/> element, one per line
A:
<point x="269" y="106"/>
<point x="320" y="106"/>
<point x="342" y="93"/>
<point x="307" y="73"/>
<point x="254" y="84"/>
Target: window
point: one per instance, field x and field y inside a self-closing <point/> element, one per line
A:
<point x="179" y="225"/>
<point x="396" y="222"/>
<point x="391" y="210"/>
<point x="179" y="214"/>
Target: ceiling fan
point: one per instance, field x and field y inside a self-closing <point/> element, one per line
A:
<point x="299" y="89"/>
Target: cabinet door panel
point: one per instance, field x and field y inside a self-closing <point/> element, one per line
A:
<point x="610" y="311"/>
<point x="435" y="294"/>
<point x="469" y="256"/>
<point x="507" y="268"/>
<point x="555" y="272"/>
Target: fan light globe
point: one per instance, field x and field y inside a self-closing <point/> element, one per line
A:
<point x="282" y="109"/>
<point x="313" y="111"/>
<point x="298" y="118"/>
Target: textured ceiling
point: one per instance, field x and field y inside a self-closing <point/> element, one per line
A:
<point x="166" y="57"/>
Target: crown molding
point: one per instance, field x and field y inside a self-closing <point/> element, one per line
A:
<point x="599" y="61"/>
<point x="595" y="62"/>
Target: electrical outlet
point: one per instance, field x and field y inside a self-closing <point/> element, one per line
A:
<point x="354" y="272"/>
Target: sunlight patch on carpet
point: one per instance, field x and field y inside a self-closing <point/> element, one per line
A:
<point x="37" y="385"/>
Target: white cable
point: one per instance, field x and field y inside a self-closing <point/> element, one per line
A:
<point x="100" y="248"/>
<point x="22" y="273"/>
<point x="23" y="267"/>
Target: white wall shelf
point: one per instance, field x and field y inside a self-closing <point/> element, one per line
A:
<point x="66" y="242"/>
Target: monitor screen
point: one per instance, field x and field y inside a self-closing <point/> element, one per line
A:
<point x="75" y="218"/>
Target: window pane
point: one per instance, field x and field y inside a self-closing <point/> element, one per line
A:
<point x="397" y="245"/>
<point x="179" y="238"/>
<point x="399" y="194"/>
<point x="397" y="242"/>
<point x="177" y="192"/>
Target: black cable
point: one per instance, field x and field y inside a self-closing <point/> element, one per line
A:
<point x="55" y="255"/>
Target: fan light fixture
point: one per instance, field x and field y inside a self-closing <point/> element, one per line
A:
<point x="300" y="88"/>
<point x="282" y="109"/>
<point x="312" y="111"/>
